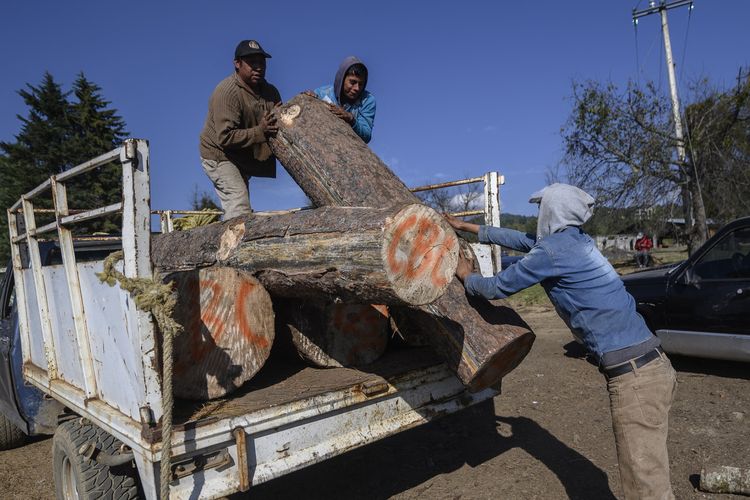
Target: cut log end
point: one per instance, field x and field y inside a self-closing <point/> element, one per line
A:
<point x="228" y="323"/>
<point x="420" y="252"/>
<point x="502" y="362"/>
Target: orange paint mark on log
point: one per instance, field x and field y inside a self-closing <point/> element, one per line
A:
<point x="241" y="310"/>
<point x="397" y="266"/>
<point x="426" y="253"/>
<point x="425" y="240"/>
<point x="210" y="314"/>
<point x="438" y="280"/>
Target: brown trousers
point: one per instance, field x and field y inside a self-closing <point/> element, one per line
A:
<point x="640" y="403"/>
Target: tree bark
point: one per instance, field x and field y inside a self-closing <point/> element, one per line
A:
<point x="228" y="329"/>
<point x="335" y="335"/>
<point x="334" y="167"/>
<point x="699" y="227"/>
<point x="331" y="164"/>
<point x="724" y="479"/>
<point x="481" y="341"/>
<point x="396" y="255"/>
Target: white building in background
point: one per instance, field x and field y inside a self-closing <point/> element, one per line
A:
<point x="619" y="241"/>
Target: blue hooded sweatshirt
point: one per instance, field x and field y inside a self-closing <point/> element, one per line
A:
<point x="582" y="285"/>
<point x="363" y="108"/>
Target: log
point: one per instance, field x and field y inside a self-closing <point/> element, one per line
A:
<point x="331" y="164"/>
<point x="335" y="167"/>
<point x="481" y="341"/>
<point x="396" y="255"/>
<point x="228" y="330"/>
<point x="336" y="335"/>
<point x="724" y="479"/>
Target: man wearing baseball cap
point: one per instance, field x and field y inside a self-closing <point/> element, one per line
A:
<point x="234" y="140"/>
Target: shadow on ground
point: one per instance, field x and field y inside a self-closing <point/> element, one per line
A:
<point x="404" y="462"/>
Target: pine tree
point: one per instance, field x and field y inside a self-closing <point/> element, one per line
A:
<point x="39" y="150"/>
<point x="56" y="135"/>
<point x="94" y="130"/>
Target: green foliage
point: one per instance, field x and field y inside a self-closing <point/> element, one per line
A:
<point x="203" y="200"/>
<point x="532" y="296"/>
<point x="718" y="142"/>
<point x="93" y="130"/>
<point x="620" y="146"/>
<point x="57" y="134"/>
<point x="524" y="223"/>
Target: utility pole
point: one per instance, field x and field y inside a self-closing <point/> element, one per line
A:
<point x="662" y="9"/>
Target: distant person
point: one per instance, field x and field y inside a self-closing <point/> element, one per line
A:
<point x="590" y="296"/>
<point x="348" y="98"/>
<point x="643" y="246"/>
<point x="234" y="140"/>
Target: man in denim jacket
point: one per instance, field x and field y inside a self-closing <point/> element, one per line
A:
<point x="590" y="297"/>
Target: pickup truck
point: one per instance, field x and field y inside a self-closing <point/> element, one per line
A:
<point x="701" y="306"/>
<point x="80" y="361"/>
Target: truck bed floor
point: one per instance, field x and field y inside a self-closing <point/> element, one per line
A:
<point x="283" y="381"/>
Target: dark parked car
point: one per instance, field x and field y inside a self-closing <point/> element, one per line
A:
<point x="701" y="306"/>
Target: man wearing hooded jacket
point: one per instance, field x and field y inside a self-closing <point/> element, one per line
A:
<point x="348" y="98"/>
<point x="590" y="297"/>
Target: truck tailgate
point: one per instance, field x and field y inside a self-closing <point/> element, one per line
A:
<point x="290" y="416"/>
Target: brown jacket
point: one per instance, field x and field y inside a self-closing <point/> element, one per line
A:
<point x="232" y="130"/>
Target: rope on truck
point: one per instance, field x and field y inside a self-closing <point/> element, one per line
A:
<point x="158" y="299"/>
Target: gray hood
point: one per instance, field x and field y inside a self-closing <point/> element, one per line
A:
<point x="339" y="80"/>
<point x="560" y="206"/>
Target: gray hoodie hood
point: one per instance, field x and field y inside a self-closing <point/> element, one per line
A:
<point x="339" y="80"/>
<point x="560" y="206"/>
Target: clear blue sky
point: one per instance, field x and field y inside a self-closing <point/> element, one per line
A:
<point x="462" y="87"/>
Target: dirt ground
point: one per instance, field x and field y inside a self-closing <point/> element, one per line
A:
<point x="547" y="435"/>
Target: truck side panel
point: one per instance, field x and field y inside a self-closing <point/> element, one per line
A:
<point x="63" y="329"/>
<point x="35" y="325"/>
<point x="111" y="320"/>
<point x="112" y="325"/>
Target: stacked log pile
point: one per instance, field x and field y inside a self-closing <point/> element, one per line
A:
<point x="369" y="241"/>
<point x="354" y="256"/>
<point x="334" y="167"/>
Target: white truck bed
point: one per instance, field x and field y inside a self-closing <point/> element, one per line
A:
<point x="86" y="345"/>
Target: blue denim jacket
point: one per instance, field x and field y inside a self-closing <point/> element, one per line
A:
<point x="581" y="283"/>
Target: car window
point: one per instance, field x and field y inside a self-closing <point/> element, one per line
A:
<point x="728" y="259"/>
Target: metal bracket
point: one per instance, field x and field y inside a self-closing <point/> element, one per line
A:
<point x="243" y="471"/>
<point x="374" y="387"/>
<point x="90" y="451"/>
<point x="200" y="462"/>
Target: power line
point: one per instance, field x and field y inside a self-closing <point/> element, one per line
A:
<point x="684" y="45"/>
<point x="637" y="61"/>
<point x="648" y="53"/>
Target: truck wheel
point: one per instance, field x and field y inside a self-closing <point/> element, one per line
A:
<point x="10" y="435"/>
<point x="77" y="477"/>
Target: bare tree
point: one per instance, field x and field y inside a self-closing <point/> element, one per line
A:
<point x="461" y="198"/>
<point x="620" y="146"/>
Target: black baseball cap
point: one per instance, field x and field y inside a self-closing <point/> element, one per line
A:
<point x="248" y="48"/>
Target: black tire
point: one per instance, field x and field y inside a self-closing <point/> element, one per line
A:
<point x="79" y="477"/>
<point x="10" y="435"/>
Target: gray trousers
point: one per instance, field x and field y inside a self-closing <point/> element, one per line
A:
<point x="640" y="403"/>
<point x="231" y="186"/>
